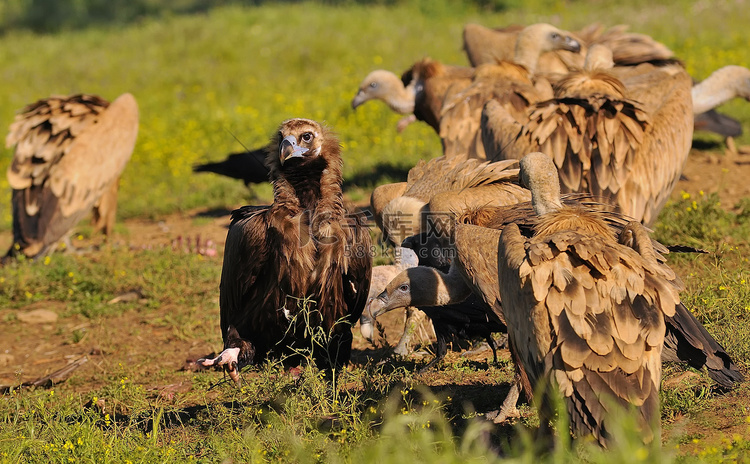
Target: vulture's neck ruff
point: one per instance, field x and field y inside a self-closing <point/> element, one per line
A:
<point x="312" y="183"/>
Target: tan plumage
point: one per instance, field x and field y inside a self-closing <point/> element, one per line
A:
<point x="70" y="152"/>
<point x="485" y="45"/>
<point x="514" y="83"/>
<point x="721" y="86"/>
<point x="622" y="134"/>
<point x="438" y="190"/>
<point x="420" y="90"/>
<point x="585" y="313"/>
<point x="387" y="87"/>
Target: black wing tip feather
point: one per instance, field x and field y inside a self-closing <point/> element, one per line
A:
<point x="713" y="121"/>
<point x="685" y="327"/>
<point x="685" y="249"/>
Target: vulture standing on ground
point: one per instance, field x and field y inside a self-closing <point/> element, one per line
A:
<point x="587" y="309"/>
<point x="622" y="134"/>
<point x="467" y="319"/>
<point x="474" y="270"/>
<point x="515" y="83"/>
<point x="248" y="166"/>
<point x="70" y="152"/>
<point x="297" y="266"/>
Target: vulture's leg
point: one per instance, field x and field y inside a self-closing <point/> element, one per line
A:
<point x="442" y="349"/>
<point x="229" y="359"/>
<point x="404" y="122"/>
<point x="105" y="210"/>
<point x="414" y="317"/>
<point x="237" y="353"/>
<point x="339" y="350"/>
<point x="508" y="409"/>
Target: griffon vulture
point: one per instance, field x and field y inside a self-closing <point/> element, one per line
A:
<point x="70" y="152"/>
<point x="473" y="270"/>
<point x="404" y="258"/>
<point x="248" y="166"/>
<point x="439" y="189"/>
<point x="587" y="308"/>
<point x="420" y="90"/>
<point x="298" y="266"/>
<point x="467" y="319"/>
<point x="484" y="45"/>
<point x="622" y="134"/>
<point x="513" y="83"/>
<point x="428" y="86"/>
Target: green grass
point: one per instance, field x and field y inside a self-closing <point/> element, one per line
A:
<point x="202" y="79"/>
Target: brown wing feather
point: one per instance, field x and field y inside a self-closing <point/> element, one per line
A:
<point x="597" y="335"/>
<point x="69" y="152"/>
<point x="629" y="151"/>
<point x="461" y="113"/>
<point x="475" y="248"/>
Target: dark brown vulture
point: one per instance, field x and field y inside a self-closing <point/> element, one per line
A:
<point x="297" y="265"/>
<point x="70" y="152"/>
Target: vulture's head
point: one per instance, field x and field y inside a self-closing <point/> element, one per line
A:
<point x="302" y="144"/>
<point x="397" y="294"/>
<point x="539" y="174"/>
<point x="539" y="38"/>
<point x="425" y="283"/>
<point x="387" y="87"/>
<point x="548" y="38"/>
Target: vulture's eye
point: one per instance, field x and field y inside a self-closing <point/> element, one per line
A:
<point x="404" y="287"/>
<point x="307" y="137"/>
<point x="373" y="85"/>
<point x="555" y="36"/>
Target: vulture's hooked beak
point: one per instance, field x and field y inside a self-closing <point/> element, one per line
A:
<point x="572" y="45"/>
<point x="372" y="309"/>
<point x="290" y="149"/>
<point x="359" y="99"/>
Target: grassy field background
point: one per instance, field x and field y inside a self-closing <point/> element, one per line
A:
<point x="206" y="77"/>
